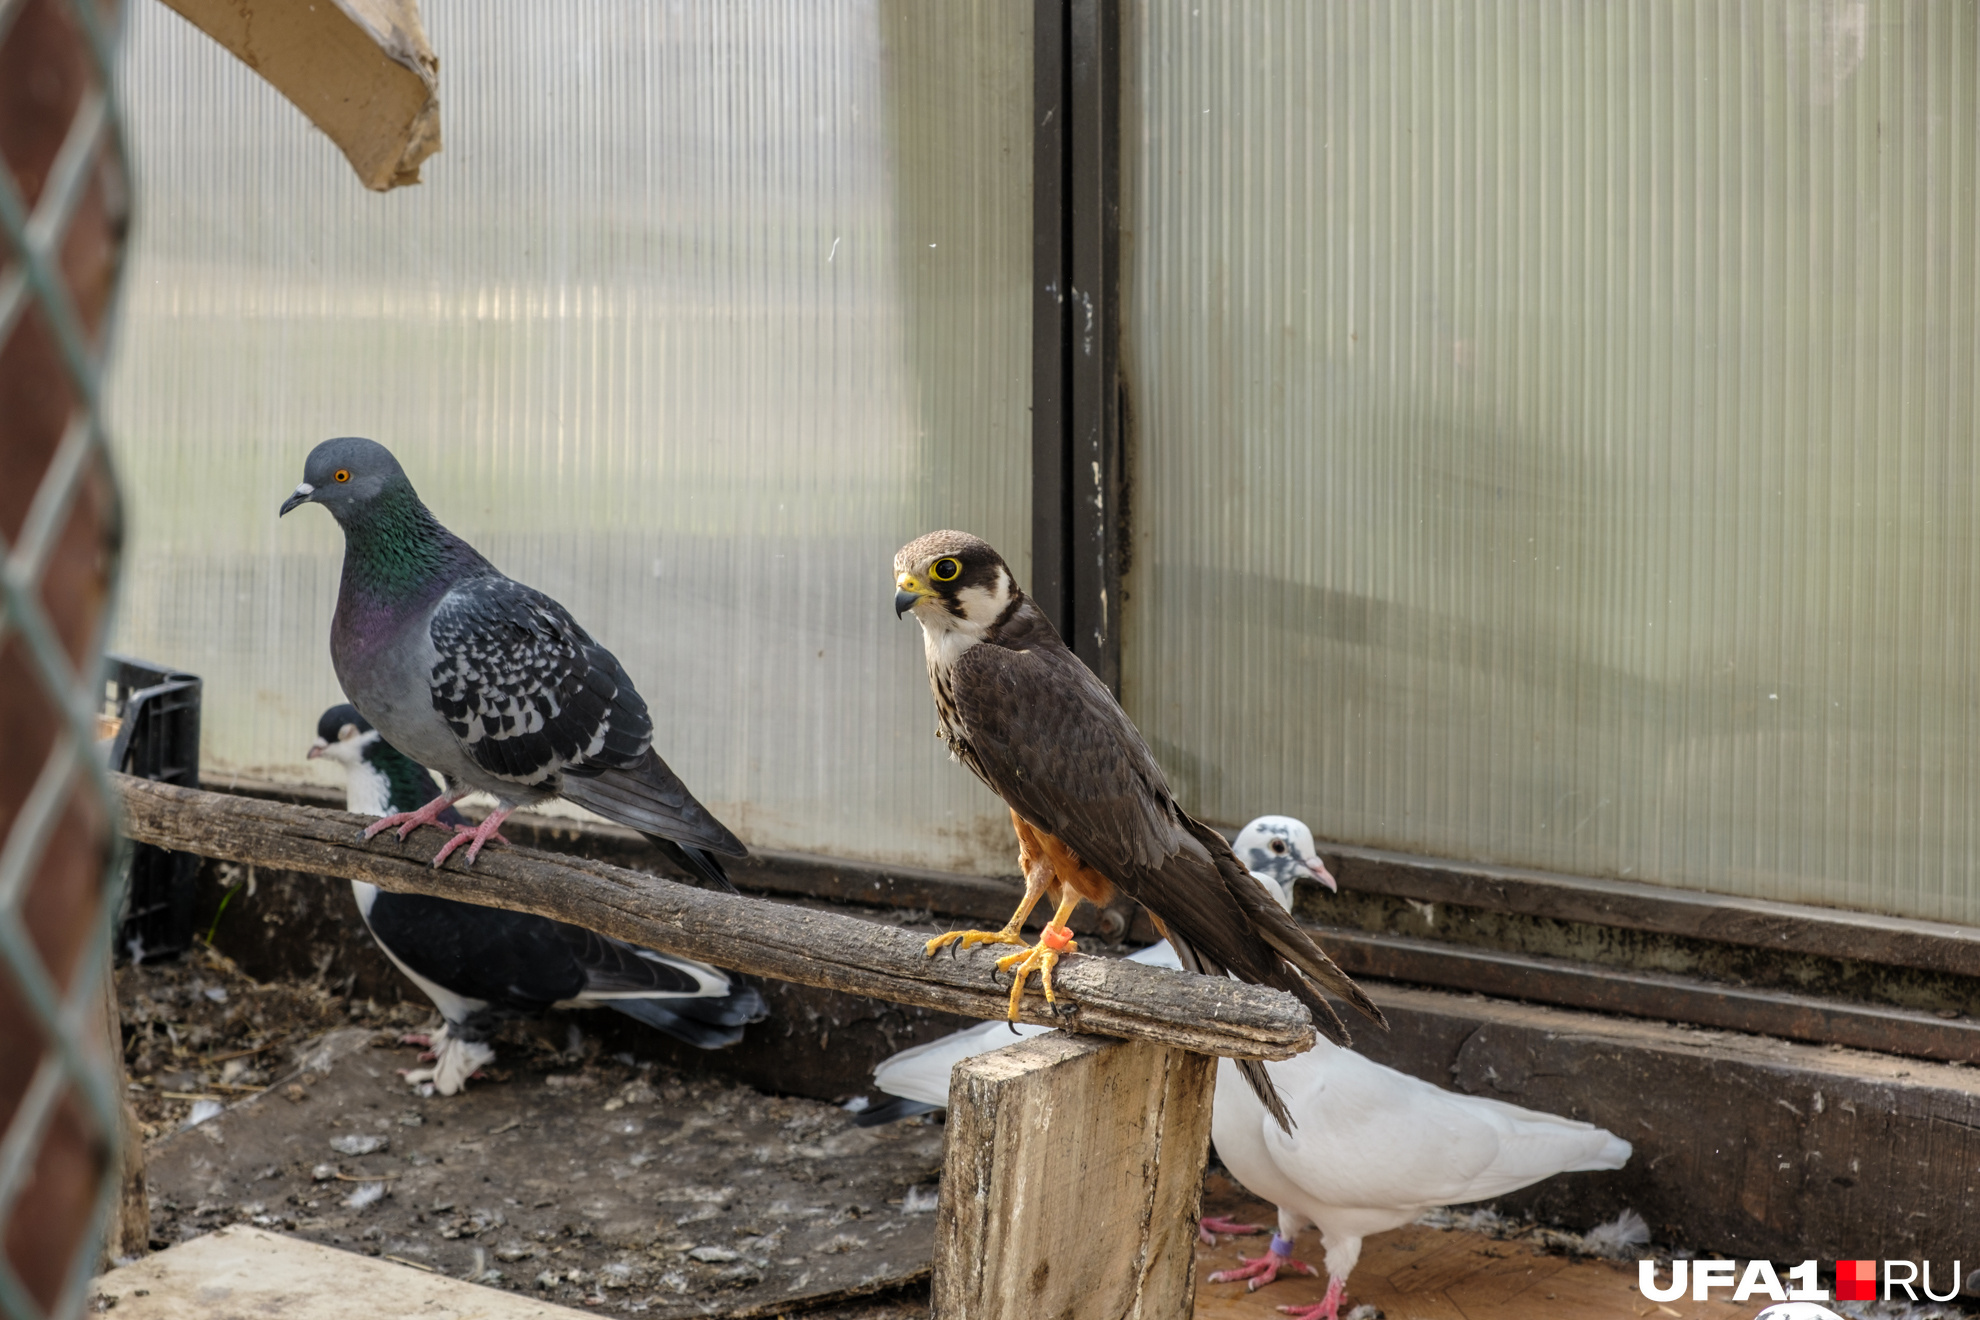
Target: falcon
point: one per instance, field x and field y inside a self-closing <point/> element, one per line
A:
<point x="1092" y="811"/>
<point x="490" y="682"/>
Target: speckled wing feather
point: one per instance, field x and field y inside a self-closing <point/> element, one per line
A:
<point x="1039" y="728"/>
<point x="525" y="689"/>
<point x="534" y="700"/>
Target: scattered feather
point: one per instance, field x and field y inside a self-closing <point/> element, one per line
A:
<point x="366" y="1194"/>
<point x="1622" y="1238"/>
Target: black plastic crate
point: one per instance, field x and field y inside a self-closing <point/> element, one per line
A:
<point x="157" y="737"/>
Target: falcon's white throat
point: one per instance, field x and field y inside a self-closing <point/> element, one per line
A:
<point x="946" y="634"/>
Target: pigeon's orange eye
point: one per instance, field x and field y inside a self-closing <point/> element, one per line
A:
<point x="341" y="474"/>
<point x="946" y="570"/>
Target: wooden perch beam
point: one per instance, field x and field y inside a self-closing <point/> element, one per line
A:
<point x="1105" y="996"/>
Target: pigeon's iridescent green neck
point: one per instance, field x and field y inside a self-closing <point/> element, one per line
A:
<point x="394" y="547"/>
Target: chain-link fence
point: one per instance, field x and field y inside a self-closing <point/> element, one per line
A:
<point x="63" y="212"/>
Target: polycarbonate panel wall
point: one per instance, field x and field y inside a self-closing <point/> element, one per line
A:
<point x="1555" y="433"/>
<point x="704" y="310"/>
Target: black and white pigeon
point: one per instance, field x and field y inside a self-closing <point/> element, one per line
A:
<point x="481" y="964"/>
<point x="483" y="679"/>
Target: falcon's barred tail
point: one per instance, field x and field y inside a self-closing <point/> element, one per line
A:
<point x="696" y="862"/>
<point x="648" y="797"/>
<point x="1252" y="1070"/>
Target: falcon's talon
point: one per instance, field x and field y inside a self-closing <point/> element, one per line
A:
<point x="1038" y="958"/>
<point x="969" y="939"/>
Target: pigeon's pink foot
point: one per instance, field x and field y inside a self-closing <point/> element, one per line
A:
<point x="419" y="1038"/>
<point x="408" y="821"/>
<point x="1261" y="1270"/>
<point x="469" y="832"/>
<point x="490" y="828"/>
<point x="1328" y="1308"/>
<point x="1210" y="1226"/>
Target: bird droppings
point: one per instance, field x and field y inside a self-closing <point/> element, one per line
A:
<point x="573" y="1176"/>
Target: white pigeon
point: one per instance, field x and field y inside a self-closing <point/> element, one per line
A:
<point x="1373" y="1148"/>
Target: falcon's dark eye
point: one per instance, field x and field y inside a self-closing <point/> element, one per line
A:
<point x="1278" y="845"/>
<point x="341" y="474"/>
<point x="946" y="570"/>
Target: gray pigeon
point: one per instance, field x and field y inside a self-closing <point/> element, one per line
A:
<point x="483" y="679"/>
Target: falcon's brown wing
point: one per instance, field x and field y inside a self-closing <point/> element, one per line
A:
<point x="1042" y="731"/>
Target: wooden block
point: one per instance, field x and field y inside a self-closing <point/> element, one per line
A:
<point x="241" y="1271"/>
<point x="1071" y="1181"/>
<point x="360" y="69"/>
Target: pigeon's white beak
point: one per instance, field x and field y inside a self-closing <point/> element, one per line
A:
<point x="1317" y="870"/>
<point x="303" y="491"/>
<point x="317" y="748"/>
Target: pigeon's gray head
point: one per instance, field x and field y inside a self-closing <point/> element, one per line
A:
<point x="1280" y="849"/>
<point x="342" y="735"/>
<point x="345" y="474"/>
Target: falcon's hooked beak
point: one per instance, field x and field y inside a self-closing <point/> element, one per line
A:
<point x="910" y="593"/>
<point x="301" y="497"/>
<point x="318" y="747"/>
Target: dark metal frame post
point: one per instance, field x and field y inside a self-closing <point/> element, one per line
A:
<point x="1077" y="459"/>
<point x="1051" y="356"/>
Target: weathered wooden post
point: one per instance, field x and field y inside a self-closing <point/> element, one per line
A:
<point x="1071" y="1180"/>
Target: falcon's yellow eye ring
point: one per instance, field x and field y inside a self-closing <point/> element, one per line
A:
<point x="945" y="570"/>
<point x="341" y="474"/>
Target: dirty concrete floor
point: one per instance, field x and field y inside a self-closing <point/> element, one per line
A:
<point x="581" y="1178"/>
<point x="196" y="1028"/>
<point x="637" y="1187"/>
